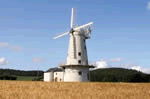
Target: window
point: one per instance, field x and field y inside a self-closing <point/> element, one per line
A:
<point x="79" y="53"/>
<point x="85" y="47"/>
<point x="80" y="73"/>
<point x="79" y="61"/>
<point x="84" y="41"/>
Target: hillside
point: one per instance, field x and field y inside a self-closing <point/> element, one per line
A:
<point x="98" y="75"/>
<point x="11" y="74"/>
<point x="118" y="75"/>
<point x="20" y="72"/>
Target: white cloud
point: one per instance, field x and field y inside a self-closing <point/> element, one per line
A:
<point x="137" y="68"/>
<point x="127" y="65"/>
<point x="148" y="6"/>
<point x="102" y="64"/>
<point x="37" y="60"/>
<point x="15" y="48"/>
<point x="146" y="70"/>
<point x="3" y="61"/>
<point x="116" y="59"/>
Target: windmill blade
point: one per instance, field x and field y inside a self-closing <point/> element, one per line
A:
<point x="58" y="36"/>
<point x="85" y="25"/>
<point x="73" y="18"/>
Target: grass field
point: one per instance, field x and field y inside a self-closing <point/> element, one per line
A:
<point x="25" y="78"/>
<point x="53" y="90"/>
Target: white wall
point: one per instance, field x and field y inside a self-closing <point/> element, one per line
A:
<point x="49" y="76"/>
<point x="59" y="76"/>
<point x="76" y="46"/>
<point x="72" y="74"/>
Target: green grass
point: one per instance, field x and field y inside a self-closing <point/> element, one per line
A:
<point x="25" y="78"/>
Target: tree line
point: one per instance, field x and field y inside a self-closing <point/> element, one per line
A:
<point x="118" y="75"/>
<point x="98" y="75"/>
<point x="20" y="72"/>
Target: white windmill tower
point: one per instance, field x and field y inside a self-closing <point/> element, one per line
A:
<point x="77" y="68"/>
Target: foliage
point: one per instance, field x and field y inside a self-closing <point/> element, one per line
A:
<point x="118" y="75"/>
<point x="10" y="74"/>
<point x="20" y="72"/>
<point x="8" y="77"/>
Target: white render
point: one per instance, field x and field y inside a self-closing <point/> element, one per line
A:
<point x="54" y="76"/>
<point x="48" y="76"/>
<point x="72" y="74"/>
<point x="59" y="76"/>
<point x="77" y="53"/>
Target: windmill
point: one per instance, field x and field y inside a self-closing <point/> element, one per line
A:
<point x="76" y="67"/>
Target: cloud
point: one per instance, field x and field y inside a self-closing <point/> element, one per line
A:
<point x="3" y="61"/>
<point x="139" y="68"/>
<point x="135" y="67"/>
<point x="116" y="59"/>
<point x="148" y="5"/>
<point x="102" y="64"/>
<point x="146" y="70"/>
<point x="37" y="60"/>
<point x="127" y="65"/>
<point x="15" y="48"/>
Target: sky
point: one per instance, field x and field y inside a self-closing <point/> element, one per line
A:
<point x="120" y="36"/>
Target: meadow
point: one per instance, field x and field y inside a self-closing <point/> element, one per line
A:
<point x="63" y="90"/>
<point x="25" y="78"/>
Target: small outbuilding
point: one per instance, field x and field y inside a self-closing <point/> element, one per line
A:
<point x="54" y="74"/>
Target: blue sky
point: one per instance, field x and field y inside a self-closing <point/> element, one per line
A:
<point x="121" y="31"/>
